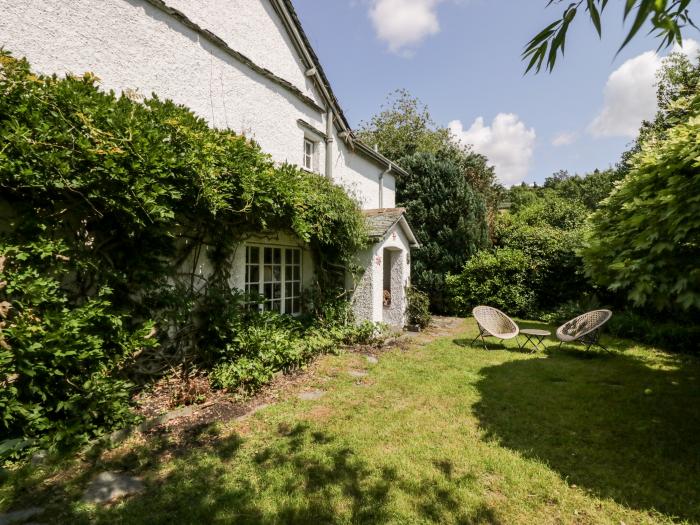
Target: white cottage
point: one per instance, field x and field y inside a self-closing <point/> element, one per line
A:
<point x="245" y="65"/>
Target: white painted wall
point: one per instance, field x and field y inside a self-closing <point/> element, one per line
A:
<point x="254" y="29"/>
<point x="131" y="45"/>
<point x="360" y="176"/>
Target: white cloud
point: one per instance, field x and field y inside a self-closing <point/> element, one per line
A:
<point x="564" y="138"/>
<point x="630" y="94"/>
<point x="507" y="143"/>
<point x="404" y="23"/>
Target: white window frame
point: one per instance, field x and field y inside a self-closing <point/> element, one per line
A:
<point x="289" y="271"/>
<point x="309" y="157"/>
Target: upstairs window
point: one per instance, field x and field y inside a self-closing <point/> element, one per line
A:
<point x="275" y="274"/>
<point x="309" y="153"/>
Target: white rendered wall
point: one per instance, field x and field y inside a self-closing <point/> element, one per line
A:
<point x="360" y="176"/>
<point x="252" y="28"/>
<point x="131" y="45"/>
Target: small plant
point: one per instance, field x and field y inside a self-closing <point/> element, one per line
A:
<point x="418" y="311"/>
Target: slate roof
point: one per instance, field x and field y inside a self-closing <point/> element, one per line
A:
<point x="380" y="221"/>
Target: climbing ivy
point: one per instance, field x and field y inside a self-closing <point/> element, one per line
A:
<point x="109" y="201"/>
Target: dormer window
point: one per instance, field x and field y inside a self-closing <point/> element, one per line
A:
<point x="309" y="154"/>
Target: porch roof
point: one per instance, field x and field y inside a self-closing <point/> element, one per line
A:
<point x="381" y="221"/>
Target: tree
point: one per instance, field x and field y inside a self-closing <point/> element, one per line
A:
<point x="645" y="239"/>
<point x="404" y="127"/>
<point x="448" y="217"/>
<point x="678" y="77"/>
<point x="668" y="19"/>
<point x="588" y="190"/>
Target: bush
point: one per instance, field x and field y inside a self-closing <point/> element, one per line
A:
<point x="268" y="343"/>
<point x="418" y="310"/>
<point x="560" y="277"/>
<point x="60" y="366"/>
<point x="553" y="211"/>
<point x="663" y="333"/>
<point x="645" y="238"/>
<point x="503" y="278"/>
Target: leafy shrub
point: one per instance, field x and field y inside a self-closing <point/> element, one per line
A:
<point x="554" y="252"/>
<point x="59" y="365"/>
<point x="553" y="211"/>
<point x="503" y="278"/>
<point x="418" y="310"/>
<point x="566" y="311"/>
<point x="645" y="238"/>
<point x="664" y="333"/>
<point x="268" y="343"/>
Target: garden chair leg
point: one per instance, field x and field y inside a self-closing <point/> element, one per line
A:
<point x="482" y="332"/>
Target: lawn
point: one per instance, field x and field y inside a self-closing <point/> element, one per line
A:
<point x="440" y="432"/>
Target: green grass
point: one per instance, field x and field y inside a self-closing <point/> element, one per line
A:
<point x="438" y="433"/>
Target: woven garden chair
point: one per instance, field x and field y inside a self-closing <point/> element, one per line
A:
<point x="584" y="329"/>
<point x="494" y="323"/>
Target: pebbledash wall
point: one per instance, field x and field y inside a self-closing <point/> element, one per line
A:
<point x="369" y="289"/>
<point x="230" y="61"/>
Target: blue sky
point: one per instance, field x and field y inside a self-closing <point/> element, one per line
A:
<point x="462" y="59"/>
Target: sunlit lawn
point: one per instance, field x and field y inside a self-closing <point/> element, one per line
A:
<point x="439" y="433"/>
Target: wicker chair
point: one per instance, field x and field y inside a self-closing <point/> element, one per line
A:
<point x="584" y="329"/>
<point x="494" y="323"/>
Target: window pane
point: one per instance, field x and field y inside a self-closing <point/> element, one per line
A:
<point x="297" y="256"/>
<point x="277" y="256"/>
<point x="288" y="307"/>
<point x="253" y="274"/>
<point x="297" y="273"/>
<point x="288" y="291"/>
<point x="277" y="273"/>
<point x="296" y="306"/>
<point x="268" y="255"/>
<point x="253" y="255"/>
<point x="277" y="306"/>
<point x="268" y="291"/>
<point x="277" y="290"/>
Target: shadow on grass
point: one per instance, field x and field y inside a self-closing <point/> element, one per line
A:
<point x="612" y="424"/>
<point x="301" y="476"/>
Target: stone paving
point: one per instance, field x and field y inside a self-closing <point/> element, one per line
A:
<point x="110" y="486"/>
<point x="312" y="395"/>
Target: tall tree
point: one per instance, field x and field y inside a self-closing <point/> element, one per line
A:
<point x="448" y="217"/>
<point x="404" y="127"/>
